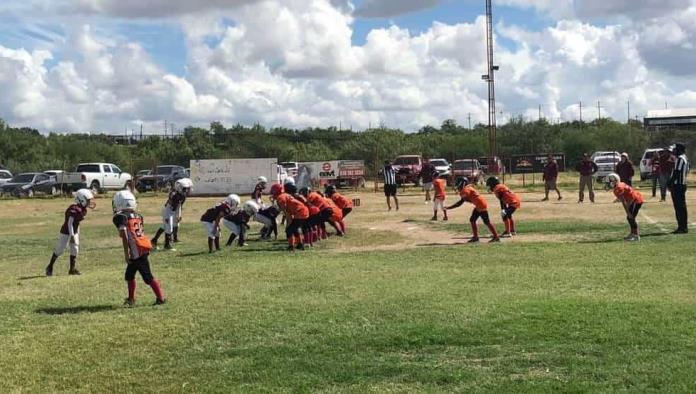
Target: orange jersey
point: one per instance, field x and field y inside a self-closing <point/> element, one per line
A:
<point x="439" y="186"/>
<point x="628" y="194"/>
<point x="469" y="194"/>
<point x="337" y="215"/>
<point x="505" y="195"/>
<point x="292" y="207"/>
<point x="318" y="201"/>
<point x="341" y="201"/>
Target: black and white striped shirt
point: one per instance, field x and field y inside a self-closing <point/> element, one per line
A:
<point x="389" y="175"/>
<point x="681" y="170"/>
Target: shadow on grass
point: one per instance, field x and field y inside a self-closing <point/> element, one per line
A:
<point x="31" y="277"/>
<point x="432" y="244"/>
<point x="72" y="310"/>
<point x="193" y="254"/>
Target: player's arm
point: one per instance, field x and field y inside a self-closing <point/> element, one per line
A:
<point x="126" y="246"/>
<point x="71" y="229"/>
<point x="456" y="204"/>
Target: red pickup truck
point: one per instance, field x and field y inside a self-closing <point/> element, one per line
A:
<point x="408" y="169"/>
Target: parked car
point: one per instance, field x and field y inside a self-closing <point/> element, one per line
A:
<point x="29" y="183"/>
<point x="606" y="164"/>
<point x="470" y="168"/>
<point x="604" y="153"/>
<point x="163" y="178"/>
<point x="408" y="169"/>
<point x="5" y="176"/>
<point x="291" y="168"/>
<point x="442" y="166"/>
<point x="96" y="176"/>
<point x="498" y="166"/>
<point x="646" y="163"/>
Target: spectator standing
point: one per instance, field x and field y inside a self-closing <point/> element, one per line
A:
<point x="426" y="176"/>
<point x="550" y="177"/>
<point x="666" y="167"/>
<point x="677" y="185"/>
<point x="389" y="174"/>
<point x="587" y="168"/>
<point x="624" y="168"/>
<point x="655" y="172"/>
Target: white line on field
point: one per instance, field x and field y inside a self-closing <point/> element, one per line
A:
<point x="652" y="221"/>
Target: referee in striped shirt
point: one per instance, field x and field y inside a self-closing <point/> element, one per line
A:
<point x="677" y="183"/>
<point x="389" y="174"/>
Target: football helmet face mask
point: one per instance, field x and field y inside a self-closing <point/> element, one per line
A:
<point x="85" y="199"/>
<point x="330" y="190"/>
<point x="613" y="179"/>
<point x="492" y="182"/>
<point x="305" y="191"/>
<point x="461" y="183"/>
<point x="262" y="179"/>
<point x="183" y="185"/>
<point x="251" y="208"/>
<point x="124" y="201"/>
<point x="290" y="188"/>
<point x="233" y="200"/>
<point x="289" y="180"/>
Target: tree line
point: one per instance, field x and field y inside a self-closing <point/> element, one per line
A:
<point x="25" y="149"/>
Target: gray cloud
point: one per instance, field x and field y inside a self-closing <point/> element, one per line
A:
<point x="631" y="8"/>
<point x="389" y="8"/>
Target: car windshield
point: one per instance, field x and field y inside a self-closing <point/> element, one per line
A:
<point x="463" y="165"/>
<point x="289" y="165"/>
<point x="23" y="178"/>
<point x="406" y="161"/>
<point x="438" y="163"/>
<point x="607" y="159"/>
<point x="164" y="170"/>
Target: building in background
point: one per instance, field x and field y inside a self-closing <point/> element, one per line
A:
<point x="671" y="119"/>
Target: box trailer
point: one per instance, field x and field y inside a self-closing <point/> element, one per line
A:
<point x="224" y="176"/>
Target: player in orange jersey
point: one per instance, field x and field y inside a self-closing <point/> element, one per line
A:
<point x="468" y="194"/>
<point x="342" y="202"/>
<point x="631" y="199"/>
<point x="297" y="213"/>
<point x="509" y="203"/>
<point x="439" y="186"/>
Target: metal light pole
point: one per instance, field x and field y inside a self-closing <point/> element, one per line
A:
<point x="490" y="78"/>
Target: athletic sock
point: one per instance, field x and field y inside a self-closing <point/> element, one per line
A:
<point x="157" y="235"/>
<point x="131" y="289"/>
<point x="217" y="243"/>
<point x="343" y="226"/>
<point x="474" y="229"/>
<point x="175" y="234"/>
<point x="231" y="239"/>
<point x="492" y="229"/>
<point x="210" y="244"/>
<point x="157" y="289"/>
<point x="512" y="225"/>
<point x="53" y="260"/>
<point x="507" y="225"/>
<point x="73" y="262"/>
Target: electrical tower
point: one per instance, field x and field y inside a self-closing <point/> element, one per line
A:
<point x="490" y="78"/>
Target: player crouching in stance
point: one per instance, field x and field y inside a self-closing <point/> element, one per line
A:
<point x="296" y="213"/>
<point x="320" y="213"/>
<point x="238" y="222"/>
<point x="509" y="203"/>
<point x="211" y="219"/>
<point x="342" y="202"/>
<point x="468" y="194"/>
<point x="267" y="217"/>
<point x="631" y="199"/>
<point x="136" y="245"/>
<point x="171" y="213"/>
<point x="70" y="231"/>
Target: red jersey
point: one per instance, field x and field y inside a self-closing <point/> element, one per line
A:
<point x="626" y="193"/>
<point x="337" y="213"/>
<point x="341" y="201"/>
<point x="469" y="194"/>
<point x="220" y="210"/>
<point x="293" y="207"/>
<point x="77" y="213"/>
<point x="318" y="201"/>
<point x="439" y="186"/>
<point x="505" y="195"/>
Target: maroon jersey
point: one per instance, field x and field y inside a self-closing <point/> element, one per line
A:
<point x="175" y="200"/>
<point x="258" y="192"/>
<point x="238" y="218"/>
<point x="222" y="209"/>
<point x="77" y="213"/>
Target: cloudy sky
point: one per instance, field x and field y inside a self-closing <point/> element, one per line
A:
<point x="112" y="65"/>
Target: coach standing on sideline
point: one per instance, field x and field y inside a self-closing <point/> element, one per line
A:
<point x="677" y="184"/>
<point x="550" y="178"/>
<point x="426" y="176"/>
<point x="389" y="174"/>
<point x="587" y="168"/>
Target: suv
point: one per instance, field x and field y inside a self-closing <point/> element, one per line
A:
<point x="408" y="169"/>
<point x="163" y="178"/>
<point x="470" y="168"/>
<point x="442" y="166"/>
<point x="5" y="176"/>
<point x="606" y="164"/>
<point x="646" y="163"/>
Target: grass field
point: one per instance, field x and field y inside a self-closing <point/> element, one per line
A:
<point x="399" y="305"/>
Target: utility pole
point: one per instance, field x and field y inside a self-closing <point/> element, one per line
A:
<point x="628" y="111"/>
<point x="469" y="118"/>
<point x="165" y="128"/>
<point x="539" y="112"/>
<point x="599" y="111"/>
<point x="580" y="114"/>
<point x="490" y="78"/>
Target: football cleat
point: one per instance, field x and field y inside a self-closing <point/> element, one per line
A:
<point x="473" y="240"/>
<point x="128" y="303"/>
<point x="74" y="271"/>
<point x="159" y="302"/>
<point x="496" y="239"/>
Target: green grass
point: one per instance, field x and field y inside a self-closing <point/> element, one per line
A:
<point x="593" y="316"/>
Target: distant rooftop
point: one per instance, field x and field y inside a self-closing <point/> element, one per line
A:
<point x="672" y="113"/>
<point x="678" y="118"/>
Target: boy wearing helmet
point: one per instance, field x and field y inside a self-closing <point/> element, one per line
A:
<point x="267" y="217"/>
<point x="439" y="186"/>
<point x="468" y="194"/>
<point x="342" y="202"/>
<point x="211" y="219"/>
<point x="171" y="213"/>
<point x="631" y="200"/>
<point x="238" y="222"/>
<point x="136" y="245"/>
<point x="509" y="203"/>
<point x="297" y="214"/>
<point x="70" y="231"/>
<point x="257" y="194"/>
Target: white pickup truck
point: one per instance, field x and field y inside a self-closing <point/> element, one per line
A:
<point x="94" y="176"/>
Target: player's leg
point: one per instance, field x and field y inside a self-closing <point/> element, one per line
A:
<point x="74" y="250"/>
<point x="511" y="221"/>
<point x="129" y="276"/>
<point x="487" y="221"/>
<point x="58" y="250"/>
<point x="149" y="279"/>
<point x="475" y="214"/>
<point x="168" y="229"/>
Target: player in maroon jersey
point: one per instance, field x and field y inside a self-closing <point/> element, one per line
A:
<point x="70" y="231"/>
<point x="171" y="213"/>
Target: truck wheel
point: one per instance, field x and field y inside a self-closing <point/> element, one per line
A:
<point x="94" y="187"/>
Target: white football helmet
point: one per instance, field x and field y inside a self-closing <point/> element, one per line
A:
<point x="124" y="201"/>
<point x="262" y="179"/>
<point x="183" y="185"/>
<point x="613" y="179"/>
<point x="84" y="198"/>
<point x="233" y="200"/>
<point x="289" y="180"/>
<point x="251" y="208"/>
